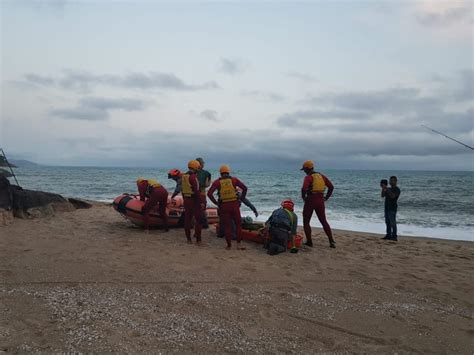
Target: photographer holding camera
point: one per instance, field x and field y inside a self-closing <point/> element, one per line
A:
<point x="391" y="195"/>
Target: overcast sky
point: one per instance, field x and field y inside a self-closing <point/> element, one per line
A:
<point x="256" y="83"/>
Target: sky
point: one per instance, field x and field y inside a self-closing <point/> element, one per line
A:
<point x="259" y="84"/>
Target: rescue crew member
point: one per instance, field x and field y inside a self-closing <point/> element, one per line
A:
<point x="192" y="201"/>
<point x="312" y="192"/>
<point x="204" y="178"/>
<point x="175" y="174"/>
<point x="153" y="193"/>
<point x="229" y="204"/>
<point x="281" y="227"/>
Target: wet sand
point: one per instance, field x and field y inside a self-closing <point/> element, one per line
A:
<point x="88" y="281"/>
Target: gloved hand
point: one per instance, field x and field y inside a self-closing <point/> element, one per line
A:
<point x="256" y="214"/>
<point x="293" y="250"/>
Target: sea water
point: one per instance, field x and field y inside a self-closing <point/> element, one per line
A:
<point x="432" y="204"/>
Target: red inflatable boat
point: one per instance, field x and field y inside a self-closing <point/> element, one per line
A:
<point x="130" y="206"/>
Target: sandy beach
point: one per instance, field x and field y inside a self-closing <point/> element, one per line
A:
<point x="89" y="281"/>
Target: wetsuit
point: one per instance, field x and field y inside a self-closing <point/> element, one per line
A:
<point x="391" y="205"/>
<point x="314" y="201"/>
<point x="229" y="204"/>
<point x="192" y="205"/>
<point x="153" y="195"/>
<point x="204" y="177"/>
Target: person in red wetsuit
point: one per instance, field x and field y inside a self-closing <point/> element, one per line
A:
<point x="153" y="193"/>
<point x="312" y="192"/>
<point x="192" y="201"/>
<point x="229" y="204"/>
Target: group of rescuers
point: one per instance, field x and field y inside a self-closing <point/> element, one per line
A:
<point x="231" y="192"/>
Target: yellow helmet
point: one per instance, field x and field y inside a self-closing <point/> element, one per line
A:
<point x="224" y="169"/>
<point x="308" y="164"/>
<point x="194" y="165"/>
<point x="140" y="180"/>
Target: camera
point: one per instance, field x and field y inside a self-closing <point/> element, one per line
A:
<point x="384" y="182"/>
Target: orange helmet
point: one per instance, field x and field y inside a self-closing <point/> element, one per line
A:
<point x="173" y="173"/>
<point x="308" y="164"/>
<point x="194" y="165"/>
<point x="224" y="169"/>
<point x="288" y="204"/>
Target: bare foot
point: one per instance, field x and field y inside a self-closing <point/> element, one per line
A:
<point x="228" y="248"/>
<point x="240" y="247"/>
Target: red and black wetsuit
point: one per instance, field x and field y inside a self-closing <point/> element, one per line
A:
<point x="192" y="206"/>
<point x="314" y="201"/>
<point x="152" y="197"/>
<point x="229" y="210"/>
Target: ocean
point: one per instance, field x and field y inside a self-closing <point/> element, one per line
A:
<point x="432" y="204"/>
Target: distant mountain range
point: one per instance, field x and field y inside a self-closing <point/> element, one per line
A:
<point x="17" y="163"/>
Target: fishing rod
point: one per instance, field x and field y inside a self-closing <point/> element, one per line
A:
<point x="446" y="136"/>
<point x="11" y="170"/>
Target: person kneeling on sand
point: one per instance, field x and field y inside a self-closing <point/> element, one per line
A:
<point x="229" y="205"/>
<point x="153" y="193"/>
<point x="281" y="227"/>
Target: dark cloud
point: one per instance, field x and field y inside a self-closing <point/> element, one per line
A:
<point x="231" y="66"/>
<point x="210" y="115"/>
<point x="83" y="81"/>
<point x="263" y="95"/>
<point x="380" y="118"/>
<point x="307" y="78"/>
<point x="97" y="108"/>
<point x="448" y="17"/>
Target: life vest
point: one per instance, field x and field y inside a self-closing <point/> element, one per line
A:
<point x="151" y="184"/>
<point x="227" y="191"/>
<point x="186" y="188"/>
<point x="318" y="183"/>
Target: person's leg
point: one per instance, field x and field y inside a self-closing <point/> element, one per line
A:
<point x="238" y="224"/>
<point x="204" y="222"/>
<point x="393" y="224"/>
<point x="320" y="209"/>
<point x="197" y="220"/>
<point x="163" y="201"/>
<point x="188" y="216"/>
<point x="221" y="229"/>
<point x="307" y="213"/>
<point x="226" y="220"/>
<point x="150" y="203"/>
<point x="388" y="233"/>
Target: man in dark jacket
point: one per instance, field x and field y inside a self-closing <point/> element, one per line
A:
<point x="282" y="226"/>
<point x="391" y="195"/>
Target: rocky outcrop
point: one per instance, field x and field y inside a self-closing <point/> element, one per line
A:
<point x="23" y="203"/>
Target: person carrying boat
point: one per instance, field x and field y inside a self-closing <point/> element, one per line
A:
<point x="204" y="178"/>
<point x="281" y="227"/>
<point x="312" y="192"/>
<point x="229" y="204"/>
<point x="192" y="201"/>
<point x="175" y="174"/>
<point x="153" y="193"/>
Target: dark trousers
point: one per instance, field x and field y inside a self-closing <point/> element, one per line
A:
<point x="391" y="223"/>
<point x="192" y="208"/>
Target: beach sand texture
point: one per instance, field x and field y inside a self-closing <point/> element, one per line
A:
<point x="89" y="281"/>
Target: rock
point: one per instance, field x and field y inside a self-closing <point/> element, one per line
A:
<point x="5" y="173"/>
<point x="6" y="217"/>
<point x="79" y="204"/>
<point x="6" y="198"/>
<point x="37" y="204"/>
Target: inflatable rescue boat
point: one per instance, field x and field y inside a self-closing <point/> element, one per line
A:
<point x="130" y="206"/>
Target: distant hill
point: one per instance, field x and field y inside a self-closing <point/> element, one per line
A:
<point x="21" y="163"/>
<point x="16" y="163"/>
